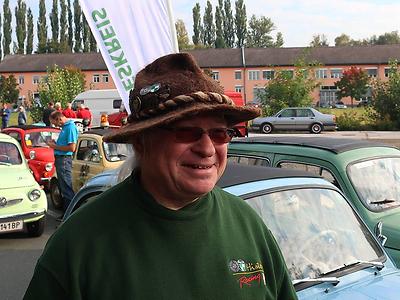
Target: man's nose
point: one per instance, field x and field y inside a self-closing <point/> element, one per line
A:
<point x="204" y="146"/>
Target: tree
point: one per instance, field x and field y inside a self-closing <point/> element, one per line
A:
<point x="182" y="35"/>
<point x="197" y="28"/>
<point x="93" y="44"/>
<point x="208" y="26"/>
<point x="54" y="22"/>
<point x="7" y="31"/>
<point x="63" y="26"/>
<point x="240" y="23"/>
<point x="70" y="27"/>
<point x="85" y="34"/>
<point x="9" y="89"/>
<point x="319" y="40"/>
<point x="20" y="17"/>
<point x="386" y="96"/>
<point x="343" y="40"/>
<point x="279" y="40"/>
<point x="62" y="84"/>
<point x="353" y="84"/>
<point x="219" y="39"/>
<point x="229" y="25"/>
<point x="388" y="38"/>
<point x="258" y="34"/>
<point x="42" y="28"/>
<point x="288" y="90"/>
<point x="29" y="32"/>
<point x="78" y="26"/>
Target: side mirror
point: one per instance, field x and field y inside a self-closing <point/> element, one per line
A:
<point x="95" y="155"/>
<point x="378" y="233"/>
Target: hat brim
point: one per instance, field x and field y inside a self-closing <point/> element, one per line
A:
<point x="233" y="114"/>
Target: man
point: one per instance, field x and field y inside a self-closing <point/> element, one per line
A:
<point x="5" y="116"/>
<point x="63" y="151"/>
<point x="47" y="112"/>
<point x="167" y="232"/>
<point x="84" y="113"/>
<point x="57" y="106"/>
<point x="68" y="112"/>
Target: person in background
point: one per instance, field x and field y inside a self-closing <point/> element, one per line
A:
<point x="84" y="113"/>
<point x="22" y="119"/>
<point x="5" y="115"/>
<point x="57" y="106"/>
<point x="63" y="151"/>
<point x="47" y="112"/>
<point x="68" y="112"/>
<point x="167" y="231"/>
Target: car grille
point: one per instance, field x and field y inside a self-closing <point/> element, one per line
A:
<point x="9" y="202"/>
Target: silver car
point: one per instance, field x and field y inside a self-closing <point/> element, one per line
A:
<point x="295" y="118"/>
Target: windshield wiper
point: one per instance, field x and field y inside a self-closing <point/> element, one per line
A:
<point x="5" y="163"/>
<point x="333" y="280"/>
<point x="384" y="201"/>
<point x="376" y="264"/>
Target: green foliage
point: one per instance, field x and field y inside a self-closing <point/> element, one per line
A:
<point x="350" y="120"/>
<point x="386" y="97"/>
<point x="240" y="23"/>
<point x="78" y="26"/>
<point x="63" y="25"/>
<point x="54" y="22"/>
<point x="208" y="26"/>
<point x="279" y="40"/>
<point x="259" y="32"/>
<point x="85" y="34"/>
<point x="20" y="15"/>
<point x="197" y="29"/>
<point x="353" y="84"/>
<point x="29" y="32"/>
<point x="319" y="40"/>
<point x="42" y="28"/>
<point x="229" y="25"/>
<point x="7" y="31"/>
<point x="70" y="27"/>
<point x="9" y="91"/>
<point x="219" y="31"/>
<point x="288" y="90"/>
<point x="182" y="35"/>
<point x="61" y="85"/>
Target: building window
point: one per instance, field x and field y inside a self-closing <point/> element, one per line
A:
<point x="35" y="79"/>
<point x="373" y="72"/>
<point x="287" y="73"/>
<point x="238" y="75"/>
<point x="238" y="88"/>
<point x="327" y="96"/>
<point x="258" y="93"/>
<point x="268" y="74"/>
<point x="254" y="75"/>
<point x="96" y="78"/>
<point x="336" y="73"/>
<point x="321" y="73"/>
<point x="215" y="75"/>
<point x="21" y="79"/>
<point x="105" y="77"/>
<point x="387" y="72"/>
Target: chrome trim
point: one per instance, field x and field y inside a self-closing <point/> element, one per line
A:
<point x="22" y="216"/>
<point x="10" y="202"/>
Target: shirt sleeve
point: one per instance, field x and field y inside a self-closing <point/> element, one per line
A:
<point x="72" y="135"/>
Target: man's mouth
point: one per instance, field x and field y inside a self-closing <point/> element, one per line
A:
<point x="201" y="167"/>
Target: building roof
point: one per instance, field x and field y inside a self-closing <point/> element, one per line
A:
<point x="220" y="58"/>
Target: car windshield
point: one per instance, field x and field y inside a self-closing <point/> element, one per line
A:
<point x="39" y="138"/>
<point x="9" y="154"/>
<point x="316" y="229"/>
<point x="117" y="152"/>
<point x="377" y="182"/>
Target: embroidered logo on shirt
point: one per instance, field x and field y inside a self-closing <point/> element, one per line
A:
<point x="247" y="273"/>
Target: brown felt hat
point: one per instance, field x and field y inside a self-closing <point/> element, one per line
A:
<point x="171" y="88"/>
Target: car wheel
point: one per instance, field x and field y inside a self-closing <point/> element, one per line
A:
<point x="266" y="128"/>
<point x="55" y="195"/>
<point x="316" y="128"/>
<point x="36" y="228"/>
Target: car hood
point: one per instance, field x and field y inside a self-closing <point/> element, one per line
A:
<point x="12" y="177"/>
<point x="43" y="154"/>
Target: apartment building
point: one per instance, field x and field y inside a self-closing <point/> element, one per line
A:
<point x="246" y="70"/>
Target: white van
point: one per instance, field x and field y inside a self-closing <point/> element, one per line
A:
<point x="99" y="102"/>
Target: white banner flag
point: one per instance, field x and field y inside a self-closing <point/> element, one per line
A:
<point x="130" y="34"/>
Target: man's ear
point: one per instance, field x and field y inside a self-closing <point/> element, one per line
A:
<point x="138" y="144"/>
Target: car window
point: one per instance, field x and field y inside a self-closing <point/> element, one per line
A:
<point x="377" y="182"/>
<point x="15" y="135"/>
<point x="304" y="113"/>
<point x="40" y="138"/>
<point x="88" y="150"/>
<point x="287" y="113"/>
<point x="317" y="170"/>
<point x="251" y="161"/>
<point x="116" y="151"/>
<point x="316" y="229"/>
<point x="9" y="154"/>
<point x="117" y="103"/>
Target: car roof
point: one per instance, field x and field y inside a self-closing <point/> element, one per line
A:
<point x="99" y="130"/>
<point x="240" y="173"/>
<point x="7" y="138"/>
<point x="29" y="127"/>
<point x="332" y="144"/>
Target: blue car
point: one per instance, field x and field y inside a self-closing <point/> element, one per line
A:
<point x="329" y="251"/>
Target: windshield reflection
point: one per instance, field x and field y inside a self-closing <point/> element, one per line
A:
<point x="117" y="152"/>
<point x="316" y="230"/>
<point x="377" y="182"/>
<point x="40" y="138"/>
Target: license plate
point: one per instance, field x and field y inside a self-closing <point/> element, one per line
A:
<point x="11" y="226"/>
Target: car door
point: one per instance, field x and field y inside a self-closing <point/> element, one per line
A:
<point x="304" y="118"/>
<point x="87" y="162"/>
<point x="286" y="120"/>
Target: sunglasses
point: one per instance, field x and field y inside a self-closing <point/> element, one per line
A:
<point x="193" y="134"/>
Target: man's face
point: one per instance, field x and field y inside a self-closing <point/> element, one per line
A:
<point x="182" y="171"/>
<point x="58" y="122"/>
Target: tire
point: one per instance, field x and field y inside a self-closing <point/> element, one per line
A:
<point x="316" y="128"/>
<point x="55" y="195"/>
<point x="35" y="229"/>
<point x="266" y="128"/>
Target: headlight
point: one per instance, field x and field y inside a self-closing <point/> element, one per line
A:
<point x="34" y="195"/>
<point x="32" y="154"/>
<point x="48" y="167"/>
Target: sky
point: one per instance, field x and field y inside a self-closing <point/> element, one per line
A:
<point x="298" y="20"/>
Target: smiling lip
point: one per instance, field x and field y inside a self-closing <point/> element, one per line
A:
<point x="199" y="166"/>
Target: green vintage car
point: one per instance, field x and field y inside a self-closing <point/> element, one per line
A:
<point x="23" y="204"/>
<point x="367" y="172"/>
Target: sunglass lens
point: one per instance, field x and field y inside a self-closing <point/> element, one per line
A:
<point x="220" y="135"/>
<point x="188" y="134"/>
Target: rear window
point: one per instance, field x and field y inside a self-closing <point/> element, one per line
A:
<point x="117" y="103"/>
<point x="9" y="154"/>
